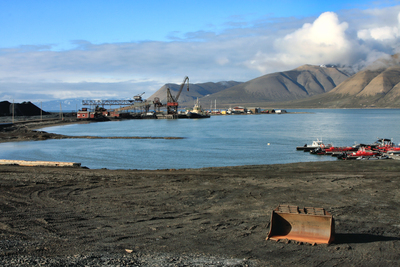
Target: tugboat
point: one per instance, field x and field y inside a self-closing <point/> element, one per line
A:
<point x="197" y="112"/>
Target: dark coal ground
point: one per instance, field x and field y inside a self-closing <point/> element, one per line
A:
<point x="196" y="217"/>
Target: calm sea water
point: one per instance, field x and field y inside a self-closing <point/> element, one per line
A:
<point x="218" y="141"/>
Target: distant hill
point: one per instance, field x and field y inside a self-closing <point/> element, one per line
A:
<point x="65" y="105"/>
<point x="197" y="90"/>
<point x="302" y="82"/>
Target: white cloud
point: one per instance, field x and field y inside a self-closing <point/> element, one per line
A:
<point x="323" y="41"/>
<point x="355" y="38"/>
<point x="381" y="33"/>
<point x="268" y="45"/>
<point x="325" y="32"/>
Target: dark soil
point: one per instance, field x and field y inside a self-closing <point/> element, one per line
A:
<point x="195" y="217"/>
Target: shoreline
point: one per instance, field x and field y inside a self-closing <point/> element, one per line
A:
<point x="28" y="131"/>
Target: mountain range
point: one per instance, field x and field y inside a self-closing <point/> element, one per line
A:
<point x="299" y="83"/>
<point x="308" y="86"/>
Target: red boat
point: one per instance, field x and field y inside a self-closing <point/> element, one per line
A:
<point x="369" y="151"/>
<point x="385" y="145"/>
<point x="340" y="149"/>
<point x="395" y="150"/>
<point x="362" y="152"/>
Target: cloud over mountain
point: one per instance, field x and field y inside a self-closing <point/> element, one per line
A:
<point x="323" y="41"/>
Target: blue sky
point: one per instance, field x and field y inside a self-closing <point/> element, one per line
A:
<point x="116" y="49"/>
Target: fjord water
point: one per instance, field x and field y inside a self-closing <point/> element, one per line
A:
<point x="218" y="141"/>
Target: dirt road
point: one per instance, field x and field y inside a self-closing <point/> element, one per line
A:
<point x="196" y="217"/>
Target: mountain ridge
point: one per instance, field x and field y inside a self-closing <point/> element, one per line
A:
<point x="302" y="82"/>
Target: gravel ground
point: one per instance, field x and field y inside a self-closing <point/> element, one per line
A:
<point x="196" y="217"/>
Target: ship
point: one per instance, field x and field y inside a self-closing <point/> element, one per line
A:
<point x="197" y="112"/>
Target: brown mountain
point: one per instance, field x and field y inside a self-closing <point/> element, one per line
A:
<point x="302" y="82"/>
<point x="368" y="88"/>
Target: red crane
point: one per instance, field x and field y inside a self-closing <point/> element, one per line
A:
<point x="172" y="102"/>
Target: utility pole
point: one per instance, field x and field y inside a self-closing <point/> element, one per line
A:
<point x="61" y="114"/>
<point x="13" y="112"/>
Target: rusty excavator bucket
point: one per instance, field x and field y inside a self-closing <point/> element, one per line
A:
<point x="309" y="225"/>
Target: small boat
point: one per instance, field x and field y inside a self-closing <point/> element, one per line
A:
<point x="361" y="153"/>
<point x="386" y="146"/>
<point x="335" y="149"/>
<point x="384" y="142"/>
<point x="314" y="145"/>
<point x="393" y="151"/>
<point x="372" y="158"/>
<point x="318" y="151"/>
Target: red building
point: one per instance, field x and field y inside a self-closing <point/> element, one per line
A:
<point x="84" y="114"/>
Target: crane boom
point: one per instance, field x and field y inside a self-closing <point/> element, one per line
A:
<point x="182" y="85"/>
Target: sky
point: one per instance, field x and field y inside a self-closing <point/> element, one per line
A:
<point x="98" y="49"/>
